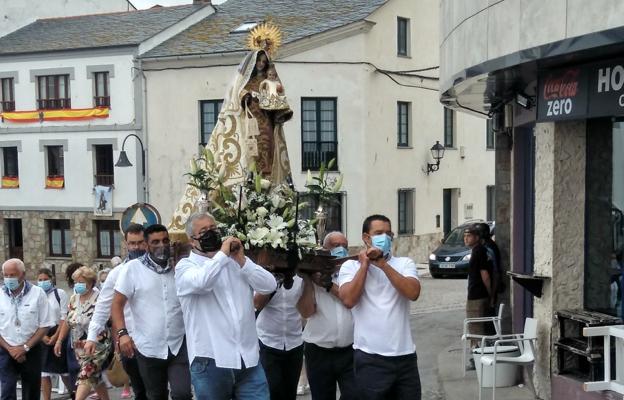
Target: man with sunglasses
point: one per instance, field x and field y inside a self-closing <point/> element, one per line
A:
<point x="378" y="288"/>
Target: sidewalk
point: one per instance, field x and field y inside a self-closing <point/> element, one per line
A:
<point x="458" y="387"/>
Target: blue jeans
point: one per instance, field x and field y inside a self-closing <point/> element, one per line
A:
<point x="29" y="372"/>
<point x="213" y="383"/>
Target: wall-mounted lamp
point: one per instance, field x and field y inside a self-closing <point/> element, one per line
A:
<point x="437" y="152"/>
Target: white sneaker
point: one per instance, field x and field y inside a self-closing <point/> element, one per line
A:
<point x="300" y="390"/>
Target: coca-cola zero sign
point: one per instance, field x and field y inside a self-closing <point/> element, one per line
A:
<point x="562" y="94"/>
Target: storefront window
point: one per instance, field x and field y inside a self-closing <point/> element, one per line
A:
<point x="604" y="282"/>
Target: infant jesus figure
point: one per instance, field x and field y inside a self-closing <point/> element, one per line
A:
<point x="271" y="94"/>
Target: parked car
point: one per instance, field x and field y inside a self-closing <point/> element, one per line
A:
<point x="453" y="256"/>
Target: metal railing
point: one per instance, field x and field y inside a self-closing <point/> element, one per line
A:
<point x="7" y="106"/>
<point x="53" y="104"/>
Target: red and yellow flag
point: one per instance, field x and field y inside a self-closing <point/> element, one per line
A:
<point x="55" y="182"/>
<point x="56" y="115"/>
<point x="10" y="182"/>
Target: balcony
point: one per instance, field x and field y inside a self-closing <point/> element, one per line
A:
<point x="53" y="104"/>
<point x="104" y="180"/>
<point x="7" y="106"/>
<point x="101" y="101"/>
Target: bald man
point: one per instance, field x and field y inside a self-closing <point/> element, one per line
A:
<point x="24" y="321"/>
<point x="328" y="334"/>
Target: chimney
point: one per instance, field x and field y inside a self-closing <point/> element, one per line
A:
<point x="202" y="2"/>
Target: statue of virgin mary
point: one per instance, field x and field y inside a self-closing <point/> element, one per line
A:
<point x="246" y="134"/>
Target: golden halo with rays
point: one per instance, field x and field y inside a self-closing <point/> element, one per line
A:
<point x="266" y="36"/>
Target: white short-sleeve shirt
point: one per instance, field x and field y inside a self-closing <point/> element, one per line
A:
<point x="58" y="307"/>
<point x="156" y="311"/>
<point x="381" y="317"/>
<point x="279" y="323"/>
<point x="32" y="313"/>
<point x="331" y="325"/>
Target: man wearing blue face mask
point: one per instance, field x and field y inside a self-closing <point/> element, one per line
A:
<point x="328" y="334"/>
<point x="135" y="244"/>
<point x="378" y="288"/>
<point x="24" y="321"/>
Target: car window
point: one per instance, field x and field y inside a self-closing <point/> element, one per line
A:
<point x="455" y="238"/>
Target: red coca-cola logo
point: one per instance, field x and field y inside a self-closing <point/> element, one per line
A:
<point x="563" y="86"/>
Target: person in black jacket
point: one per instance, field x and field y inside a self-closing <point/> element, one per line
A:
<point x="479" y="281"/>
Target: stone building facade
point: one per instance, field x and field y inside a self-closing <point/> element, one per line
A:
<point x="559" y="178"/>
<point x="36" y="239"/>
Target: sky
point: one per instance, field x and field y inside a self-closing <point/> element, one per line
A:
<point x="143" y="4"/>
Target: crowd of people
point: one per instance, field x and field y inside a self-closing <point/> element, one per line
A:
<point x="215" y="325"/>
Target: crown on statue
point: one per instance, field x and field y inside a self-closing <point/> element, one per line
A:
<point x="266" y="36"/>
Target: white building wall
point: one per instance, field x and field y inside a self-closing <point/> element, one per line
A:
<point x="368" y="156"/>
<point x="79" y="169"/>
<point x="15" y="14"/>
<point x="122" y="110"/>
<point x="79" y="164"/>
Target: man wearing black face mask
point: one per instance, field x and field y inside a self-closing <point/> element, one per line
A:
<point x="215" y="284"/>
<point x="135" y="244"/>
<point x="148" y="287"/>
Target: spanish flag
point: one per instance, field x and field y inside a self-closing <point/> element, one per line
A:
<point x="77" y="114"/>
<point x="55" y="182"/>
<point x="10" y="182"/>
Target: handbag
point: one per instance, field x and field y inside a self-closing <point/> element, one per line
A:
<point x="116" y="374"/>
<point x="252" y="130"/>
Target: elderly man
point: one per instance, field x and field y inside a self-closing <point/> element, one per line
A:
<point x="215" y="284"/>
<point x="24" y="321"/>
<point x="378" y="289"/>
<point x="148" y="285"/>
<point x="328" y="334"/>
<point x="135" y="244"/>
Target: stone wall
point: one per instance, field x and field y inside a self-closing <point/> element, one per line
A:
<point x="503" y="215"/>
<point x="417" y="247"/>
<point x="36" y="239"/>
<point x="559" y="233"/>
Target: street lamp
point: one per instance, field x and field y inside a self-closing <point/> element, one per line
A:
<point x="437" y="152"/>
<point x="123" y="160"/>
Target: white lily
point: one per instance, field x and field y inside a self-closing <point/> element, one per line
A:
<point x="265" y="184"/>
<point x="258" y="236"/>
<point x="276" y="222"/>
<point x="275" y="239"/>
<point x="261" y="212"/>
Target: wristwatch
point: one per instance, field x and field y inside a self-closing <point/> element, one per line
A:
<point x="26" y="348"/>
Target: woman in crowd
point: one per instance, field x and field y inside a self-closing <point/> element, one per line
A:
<point x="81" y="307"/>
<point x="58" y="303"/>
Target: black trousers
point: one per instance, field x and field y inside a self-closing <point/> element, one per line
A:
<point x="282" y="369"/>
<point x="29" y="372"/>
<point x="386" y="378"/>
<point x="326" y="367"/>
<point x="131" y="366"/>
<point x="159" y="374"/>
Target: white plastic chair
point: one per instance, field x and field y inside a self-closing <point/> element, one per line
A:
<point x="496" y="320"/>
<point x="526" y="344"/>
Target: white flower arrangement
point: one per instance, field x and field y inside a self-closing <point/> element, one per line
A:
<point x="265" y="217"/>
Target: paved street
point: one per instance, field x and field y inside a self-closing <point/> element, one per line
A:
<point x="436" y="323"/>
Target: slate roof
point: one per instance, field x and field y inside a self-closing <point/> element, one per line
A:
<point x="297" y="19"/>
<point x="93" y="31"/>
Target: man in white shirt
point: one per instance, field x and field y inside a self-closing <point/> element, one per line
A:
<point x="135" y="244"/>
<point x="281" y="345"/>
<point x="147" y="284"/>
<point x="378" y="289"/>
<point x="328" y="333"/>
<point x="24" y="321"/>
<point x="215" y="284"/>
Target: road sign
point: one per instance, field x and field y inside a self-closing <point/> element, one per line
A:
<point x="139" y="213"/>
